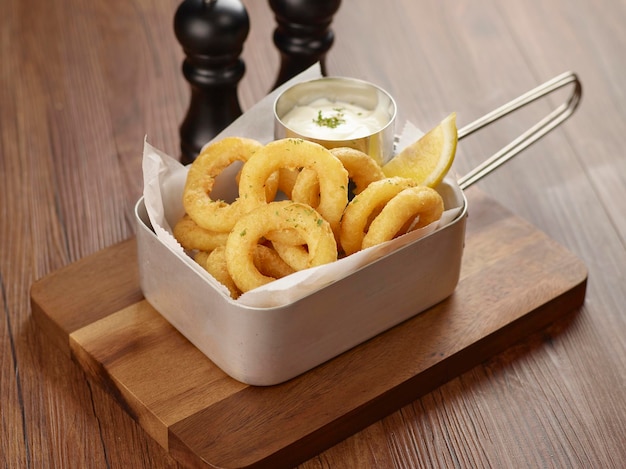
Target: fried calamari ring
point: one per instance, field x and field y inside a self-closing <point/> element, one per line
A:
<point x="306" y="188"/>
<point x="214" y="262"/>
<point x="421" y="203"/>
<point x="286" y="180"/>
<point x="293" y="153"/>
<point x="294" y="255"/>
<point x="216" y="215"/>
<point x="252" y="227"/>
<point x="290" y="246"/>
<point x="265" y="259"/>
<point x="269" y="262"/>
<point x="362" y="168"/>
<point x="287" y="236"/>
<point x="192" y="237"/>
<point x="271" y="185"/>
<point x="359" y="211"/>
<point x="362" y="171"/>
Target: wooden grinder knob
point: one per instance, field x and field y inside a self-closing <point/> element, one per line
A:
<point x="303" y="35"/>
<point x="212" y="34"/>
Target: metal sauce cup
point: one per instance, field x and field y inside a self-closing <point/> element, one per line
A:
<point x="377" y="141"/>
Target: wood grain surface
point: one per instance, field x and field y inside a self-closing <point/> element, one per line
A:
<point x="82" y="83"/>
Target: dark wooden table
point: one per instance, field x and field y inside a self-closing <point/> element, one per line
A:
<point x="83" y="82"/>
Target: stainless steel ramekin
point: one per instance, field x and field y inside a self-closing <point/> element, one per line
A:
<point x="378" y="143"/>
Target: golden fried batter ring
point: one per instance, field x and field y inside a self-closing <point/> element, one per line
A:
<point x="271" y="185"/>
<point x="306" y="188"/>
<point x="286" y="180"/>
<point x="362" y="168"/>
<point x="216" y="215"/>
<point x="294" y="255"/>
<point x="266" y="260"/>
<point x="421" y="204"/>
<point x="269" y="262"/>
<point x="293" y="153"/>
<point x="215" y="264"/>
<point x="290" y="246"/>
<point x="362" y="171"/>
<point x="252" y="227"/>
<point x="358" y="213"/>
<point x="286" y="236"/>
<point x="192" y="237"/>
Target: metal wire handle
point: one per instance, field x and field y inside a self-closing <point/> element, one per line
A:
<point x="541" y="128"/>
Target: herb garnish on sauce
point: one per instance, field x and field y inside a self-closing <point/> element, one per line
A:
<point x="331" y="122"/>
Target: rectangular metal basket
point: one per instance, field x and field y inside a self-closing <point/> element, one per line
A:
<point x="266" y="346"/>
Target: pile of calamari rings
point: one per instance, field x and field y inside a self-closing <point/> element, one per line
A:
<point x="292" y="211"/>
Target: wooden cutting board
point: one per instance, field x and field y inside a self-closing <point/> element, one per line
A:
<point x="514" y="281"/>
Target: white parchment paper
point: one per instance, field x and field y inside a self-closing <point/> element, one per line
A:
<point x="164" y="180"/>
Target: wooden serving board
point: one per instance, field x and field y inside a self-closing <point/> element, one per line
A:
<point x="514" y="281"/>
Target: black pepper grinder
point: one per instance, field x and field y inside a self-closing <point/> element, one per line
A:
<point x="212" y="34"/>
<point x="303" y="35"/>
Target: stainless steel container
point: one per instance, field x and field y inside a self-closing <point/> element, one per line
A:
<point x="265" y="346"/>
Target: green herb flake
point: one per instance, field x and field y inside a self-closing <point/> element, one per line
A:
<point x="332" y="121"/>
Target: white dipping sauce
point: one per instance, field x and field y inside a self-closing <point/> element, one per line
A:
<point x="334" y="120"/>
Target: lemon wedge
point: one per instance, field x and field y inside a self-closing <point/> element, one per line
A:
<point x="429" y="159"/>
